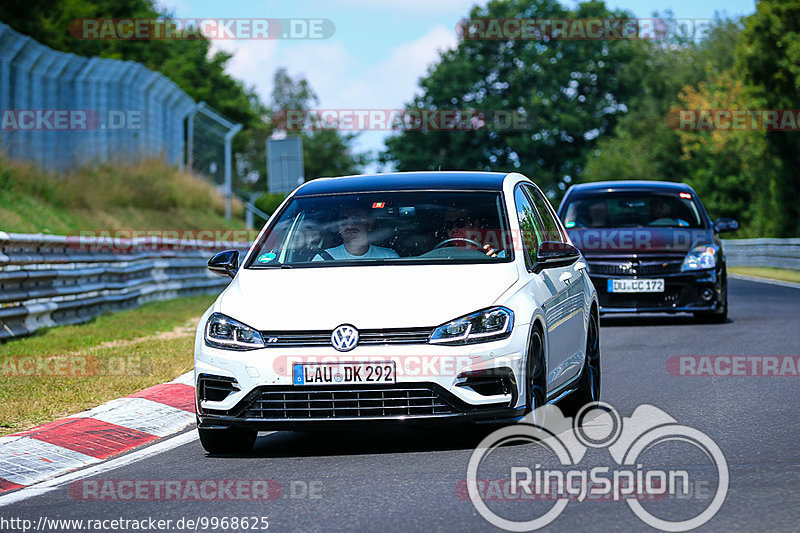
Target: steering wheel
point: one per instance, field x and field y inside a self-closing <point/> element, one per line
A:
<point x="448" y="241"/>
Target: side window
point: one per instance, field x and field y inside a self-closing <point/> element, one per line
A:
<point x="552" y="231"/>
<point x="530" y="227"/>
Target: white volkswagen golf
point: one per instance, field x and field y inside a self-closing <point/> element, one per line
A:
<point x="408" y="297"/>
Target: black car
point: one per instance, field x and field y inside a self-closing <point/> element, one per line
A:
<point x="650" y="247"/>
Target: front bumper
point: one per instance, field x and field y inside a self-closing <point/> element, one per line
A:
<point x="683" y="293"/>
<point x="310" y="407"/>
<point x="435" y="384"/>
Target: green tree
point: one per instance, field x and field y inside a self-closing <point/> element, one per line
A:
<point x="768" y="58"/>
<point x="187" y="62"/>
<point x="643" y="145"/>
<point x="570" y="91"/>
<point x="326" y="152"/>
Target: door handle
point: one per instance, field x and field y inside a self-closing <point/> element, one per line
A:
<point x="566" y="277"/>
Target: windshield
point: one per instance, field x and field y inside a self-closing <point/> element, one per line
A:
<point x="632" y="210"/>
<point x="387" y="227"/>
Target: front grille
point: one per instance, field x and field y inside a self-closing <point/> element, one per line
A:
<point x="649" y="267"/>
<point x="290" y="339"/>
<point x="320" y="403"/>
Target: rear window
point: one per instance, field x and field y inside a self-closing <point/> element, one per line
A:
<point x="631" y="210"/>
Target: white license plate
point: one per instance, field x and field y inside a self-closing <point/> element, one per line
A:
<point x="343" y="373"/>
<point x="636" y="285"/>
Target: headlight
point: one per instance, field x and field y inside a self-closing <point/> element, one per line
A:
<point x="483" y="326"/>
<point x="227" y="333"/>
<point x="701" y="257"/>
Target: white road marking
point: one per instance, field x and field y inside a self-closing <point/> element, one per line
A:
<point x="26" y="461"/>
<point x="185" y="379"/>
<point x="766" y="280"/>
<point x="52" y="484"/>
<point x="145" y="415"/>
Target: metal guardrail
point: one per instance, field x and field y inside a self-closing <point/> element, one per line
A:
<point x="778" y="253"/>
<point x="53" y="280"/>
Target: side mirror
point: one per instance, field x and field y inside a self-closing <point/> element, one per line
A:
<point x="225" y="263"/>
<point x="725" y="225"/>
<point x="553" y="254"/>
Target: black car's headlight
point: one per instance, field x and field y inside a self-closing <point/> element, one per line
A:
<point x="483" y="326"/>
<point x="224" y="332"/>
<point x="701" y="257"/>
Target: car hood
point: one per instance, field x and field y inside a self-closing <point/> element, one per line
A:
<point x="642" y="241"/>
<point x="368" y="297"/>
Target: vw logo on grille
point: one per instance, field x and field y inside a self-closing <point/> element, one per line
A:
<point x="344" y="338"/>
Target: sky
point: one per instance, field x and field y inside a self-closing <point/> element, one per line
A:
<point x="380" y="48"/>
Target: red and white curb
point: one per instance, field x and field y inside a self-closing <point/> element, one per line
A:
<point x="54" y="448"/>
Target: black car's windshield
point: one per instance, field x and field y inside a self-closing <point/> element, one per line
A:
<point x="631" y="210"/>
<point x="387" y="227"/>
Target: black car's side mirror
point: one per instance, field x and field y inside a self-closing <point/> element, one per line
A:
<point x="225" y="263"/>
<point x="553" y="254"/>
<point x="725" y="225"/>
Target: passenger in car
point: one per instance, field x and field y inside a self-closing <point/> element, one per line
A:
<point x="354" y="225"/>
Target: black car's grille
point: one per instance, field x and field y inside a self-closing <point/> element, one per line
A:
<point x="321" y="403"/>
<point x="275" y="339"/>
<point x="635" y="267"/>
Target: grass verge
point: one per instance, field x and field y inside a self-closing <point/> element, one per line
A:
<point x="150" y="195"/>
<point x="780" y="274"/>
<point x="65" y="370"/>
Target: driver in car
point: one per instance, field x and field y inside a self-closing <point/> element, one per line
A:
<point x="354" y="226"/>
<point x="661" y="215"/>
<point x="459" y="227"/>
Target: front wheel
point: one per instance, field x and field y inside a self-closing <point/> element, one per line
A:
<point x="227" y="440"/>
<point x="588" y="390"/>
<point x="535" y="377"/>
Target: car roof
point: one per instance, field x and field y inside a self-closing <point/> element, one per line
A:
<point x="405" y="181"/>
<point x="639" y="185"/>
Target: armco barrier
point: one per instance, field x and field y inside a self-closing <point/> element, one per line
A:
<point x="53" y="280"/>
<point x="778" y="253"/>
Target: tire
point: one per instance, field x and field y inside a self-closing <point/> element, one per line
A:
<point x="721" y="315"/>
<point x="535" y="375"/>
<point x="227" y="440"/>
<point x="588" y="390"/>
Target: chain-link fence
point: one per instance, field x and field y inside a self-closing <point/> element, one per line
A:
<point x="61" y="111"/>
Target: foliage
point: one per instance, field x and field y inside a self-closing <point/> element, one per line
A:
<point x="768" y="61"/>
<point x="570" y="92"/>
<point x="191" y="64"/>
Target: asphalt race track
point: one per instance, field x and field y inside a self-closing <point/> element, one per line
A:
<point x="407" y="480"/>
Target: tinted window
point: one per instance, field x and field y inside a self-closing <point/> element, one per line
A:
<point x="381" y="227"/>
<point x="631" y="210"/>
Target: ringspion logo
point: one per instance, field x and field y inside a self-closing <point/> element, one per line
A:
<point x="564" y="442"/>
